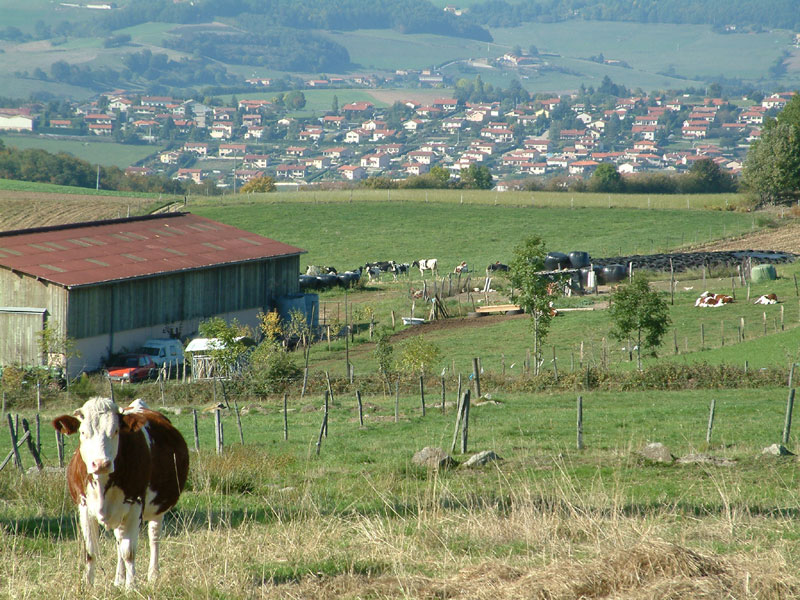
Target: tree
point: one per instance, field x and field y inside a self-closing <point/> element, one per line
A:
<point x="419" y="356"/>
<point x="294" y="100"/>
<point x="772" y="167"/>
<point x="532" y="290"/>
<point x="705" y="176"/>
<point x="636" y="311"/>
<point x="335" y="105"/>
<point x="606" y="178"/>
<point x="258" y="185"/>
<point x="476" y="177"/>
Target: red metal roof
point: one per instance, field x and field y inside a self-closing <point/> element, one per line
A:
<point x="96" y="252"/>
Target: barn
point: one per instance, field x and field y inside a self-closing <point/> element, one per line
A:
<point x="110" y="285"/>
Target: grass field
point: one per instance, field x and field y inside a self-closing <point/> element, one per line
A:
<point x="692" y="50"/>
<point x="348" y="235"/>
<point x="272" y="520"/>
<point x="95" y="152"/>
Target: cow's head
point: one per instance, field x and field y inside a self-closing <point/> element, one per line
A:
<point x="100" y="423"/>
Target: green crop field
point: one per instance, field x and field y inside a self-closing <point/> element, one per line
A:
<point x="95" y="152"/>
<point x="407" y="228"/>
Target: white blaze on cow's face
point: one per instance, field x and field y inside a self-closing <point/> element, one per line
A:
<point x="99" y="432"/>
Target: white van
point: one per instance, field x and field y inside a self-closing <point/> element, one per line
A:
<point x="163" y="351"/>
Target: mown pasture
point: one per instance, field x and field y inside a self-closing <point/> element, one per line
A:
<point x="95" y="152"/>
<point x="273" y="520"/>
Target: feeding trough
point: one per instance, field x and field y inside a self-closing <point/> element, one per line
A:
<point x="412" y="321"/>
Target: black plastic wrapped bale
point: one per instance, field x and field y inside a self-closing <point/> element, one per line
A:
<point x="556" y="260"/>
<point x="327" y="281"/>
<point x="307" y="282"/>
<point x="613" y="274"/>
<point x="579" y="259"/>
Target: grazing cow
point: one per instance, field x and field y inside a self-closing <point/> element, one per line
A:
<point x="316" y="271"/>
<point x="707" y="299"/>
<point x="399" y="269"/>
<point x="462" y="268"/>
<point x="767" y="299"/>
<point x="496" y="267"/>
<point x="130" y="466"/>
<point x="426" y="264"/>
<point x="374" y="273"/>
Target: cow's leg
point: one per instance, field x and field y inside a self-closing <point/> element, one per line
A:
<point x="154" y="535"/>
<point x="89" y="529"/>
<point x="127" y="535"/>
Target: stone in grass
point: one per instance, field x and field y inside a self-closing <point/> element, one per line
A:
<point x="706" y="459"/>
<point x="777" y="450"/>
<point x="433" y="458"/>
<point x="481" y="459"/>
<point x="657" y="452"/>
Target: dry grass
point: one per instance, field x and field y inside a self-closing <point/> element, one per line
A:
<point x="542" y="542"/>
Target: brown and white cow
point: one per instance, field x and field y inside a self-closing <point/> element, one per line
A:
<point x="129" y="467"/>
<point x="707" y="299"/>
<point x="767" y="299"/>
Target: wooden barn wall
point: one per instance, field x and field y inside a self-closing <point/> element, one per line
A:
<point x="176" y="297"/>
<point x="17" y="332"/>
<point x="19" y="340"/>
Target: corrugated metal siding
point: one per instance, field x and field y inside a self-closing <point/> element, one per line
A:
<point x="179" y="296"/>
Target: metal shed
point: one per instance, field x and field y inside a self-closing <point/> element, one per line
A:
<point x="109" y="285"/>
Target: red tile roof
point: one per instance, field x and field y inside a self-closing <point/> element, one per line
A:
<point x="101" y="251"/>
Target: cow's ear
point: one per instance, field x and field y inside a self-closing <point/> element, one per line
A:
<point x="131" y="422"/>
<point x="66" y="424"/>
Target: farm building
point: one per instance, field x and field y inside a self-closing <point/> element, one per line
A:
<point x="110" y="285"/>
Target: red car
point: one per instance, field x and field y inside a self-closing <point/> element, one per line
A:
<point x="130" y="368"/>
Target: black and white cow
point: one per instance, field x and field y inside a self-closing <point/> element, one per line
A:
<point x="496" y="268"/>
<point x="426" y="264"/>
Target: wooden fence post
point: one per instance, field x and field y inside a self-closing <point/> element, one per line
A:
<point x="218" y="430"/>
<point x="443" y="395"/>
<point x="787" y="424"/>
<point x="702" y="336"/>
<point x="722" y="332"/>
<point x="12" y="432"/>
<point x="32" y="445"/>
<point x="360" y="409"/>
<point x="580" y="423"/>
<point x="285" y="417"/>
<point x="476" y="375"/>
<point x="555" y="365"/>
<point x="397" y="400"/>
<point x="38" y="434"/>
<point x="711" y="411"/>
<point x="465" y="423"/>
<point x="325" y="428"/>
<point x="60" y="448"/>
<point x="422" y="393"/>
<point x="196" y="432"/>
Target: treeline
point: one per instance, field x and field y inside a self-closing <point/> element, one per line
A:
<point x="407" y="16"/>
<point x="64" y="169"/>
<point x="141" y="69"/>
<point x="703" y="177"/>
<point x="271" y="47"/>
<point x="781" y="14"/>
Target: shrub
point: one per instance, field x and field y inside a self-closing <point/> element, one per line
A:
<point x="272" y="369"/>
